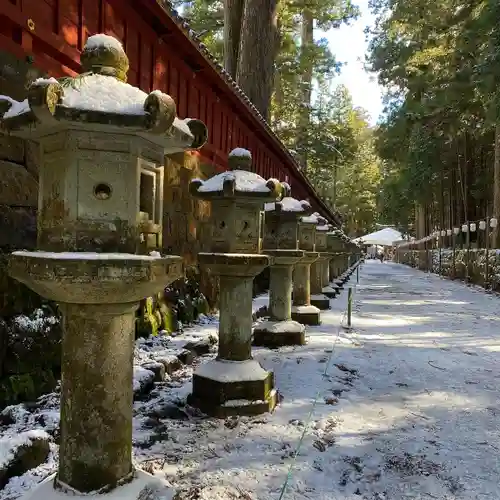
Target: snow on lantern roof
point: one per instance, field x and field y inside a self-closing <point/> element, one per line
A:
<point x="288" y="204"/>
<point x="101" y="95"/>
<point x="85" y="255"/>
<point x="239" y="180"/>
<point x="241" y="152"/>
<point x="16" y="107"/>
<point x="102" y="40"/>
<point x="244" y="181"/>
<point x="315" y="218"/>
<point x="325" y="227"/>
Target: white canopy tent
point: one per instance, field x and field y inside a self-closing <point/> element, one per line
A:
<point x="384" y="237"/>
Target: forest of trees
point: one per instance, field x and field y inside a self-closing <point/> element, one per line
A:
<point x="433" y="161"/>
<point x="439" y="142"/>
<point x="275" y="52"/>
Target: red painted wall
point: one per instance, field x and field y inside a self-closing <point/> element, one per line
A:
<point x="161" y="57"/>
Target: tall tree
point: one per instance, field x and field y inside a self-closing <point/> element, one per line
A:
<point x="259" y="43"/>
<point x="315" y="57"/>
<point x="438" y="137"/>
<point x="343" y="165"/>
<point x="233" y="26"/>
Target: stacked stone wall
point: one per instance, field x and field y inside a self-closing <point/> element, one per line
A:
<point x="461" y="264"/>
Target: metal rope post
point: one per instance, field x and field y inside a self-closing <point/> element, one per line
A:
<point x="467" y="260"/>
<point x="440" y="243"/>
<point x="487" y="252"/>
<point x="453" y="244"/>
<point x="349" y="307"/>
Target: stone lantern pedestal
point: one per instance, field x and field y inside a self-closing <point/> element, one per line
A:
<point x="339" y="266"/>
<point x="102" y="145"/>
<point x="234" y="383"/>
<point x="336" y="271"/>
<point x="332" y="272"/>
<point x="331" y="290"/>
<point x="98" y="295"/>
<point x="318" y="298"/>
<point x="303" y="310"/>
<point x="281" y="243"/>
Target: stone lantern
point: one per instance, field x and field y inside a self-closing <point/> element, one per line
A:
<point x="329" y="289"/>
<point x="302" y="310"/>
<point x="343" y="262"/>
<point x="318" y="299"/>
<point x="102" y="146"/>
<point x="281" y="243"/>
<point x="335" y="247"/>
<point x="234" y="383"/>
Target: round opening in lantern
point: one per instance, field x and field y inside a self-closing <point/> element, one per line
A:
<point x="102" y="191"/>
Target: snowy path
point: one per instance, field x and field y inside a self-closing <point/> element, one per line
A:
<point x="416" y="414"/>
<point x="408" y="408"/>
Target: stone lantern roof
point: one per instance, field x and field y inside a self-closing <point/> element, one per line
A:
<point x="288" y="205"/>
<point x="340" y="234"/>
<point x="282" y="225"/>
<point x="101" y="96"/>
<point x="238" y="182"/>
<point x="315" y="219"/>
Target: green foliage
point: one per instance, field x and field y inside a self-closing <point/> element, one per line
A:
<point x="206" y="18"/>
<point x="441" y="62"/>
<point x="342" y="163"/>
<point x="148" y="322"/>
<point x="322" y="129"/>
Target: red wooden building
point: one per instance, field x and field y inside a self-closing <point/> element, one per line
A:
<point x="164" y="54"/>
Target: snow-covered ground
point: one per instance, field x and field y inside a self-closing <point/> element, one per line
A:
<point x="407" y="406"/>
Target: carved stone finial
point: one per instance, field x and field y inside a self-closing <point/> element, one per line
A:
<point x="43" y="97"/>
<point x="199" y="131"/>
<point x="104" y="55"/>
<point x="240" y="159"/>
<point x="161" y="111"/>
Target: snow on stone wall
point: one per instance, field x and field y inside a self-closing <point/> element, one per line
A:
<point x="462" y="264"/>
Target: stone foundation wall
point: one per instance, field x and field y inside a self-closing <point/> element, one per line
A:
<point x="30" y="355"/>
<point x="471" y="265"/>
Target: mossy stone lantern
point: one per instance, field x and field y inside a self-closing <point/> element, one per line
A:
<point x="342" y="264"/>
<point x="329" y="289"/>
<point x="98" y="137"/>
<point x="103" y="144"/>
<point x="335" y="247"/>
<point x="281" y="243"/>
<point x="318" y="298"/>
<point x="302" y="310"/>
<point x="234" y="383"/>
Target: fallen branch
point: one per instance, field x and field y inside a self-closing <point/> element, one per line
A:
<point x="437" y="367"/>
<point x="420" y="416"/>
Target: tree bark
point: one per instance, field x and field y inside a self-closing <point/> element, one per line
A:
<point x="279" y="100"/>
<point x="233" y="18"/>
<point x="496" y="185"/>
<point x="257" y="53"/>
<point x="306" y="68"/>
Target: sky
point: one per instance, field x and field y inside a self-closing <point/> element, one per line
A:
<point x="349" y="45"/>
